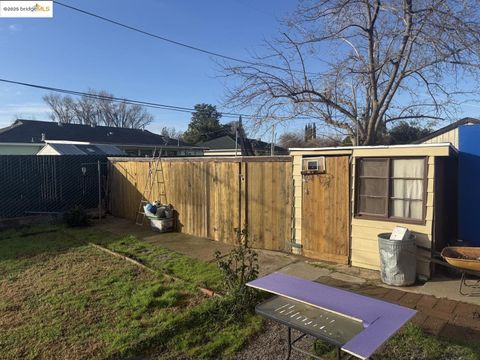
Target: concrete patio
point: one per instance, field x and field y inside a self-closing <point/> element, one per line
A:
<point x="270" y="261"/>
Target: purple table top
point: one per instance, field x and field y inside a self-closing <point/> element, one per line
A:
<point x="380" y="319"/>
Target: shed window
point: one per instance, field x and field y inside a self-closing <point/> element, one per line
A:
<point x="391" y="188"/>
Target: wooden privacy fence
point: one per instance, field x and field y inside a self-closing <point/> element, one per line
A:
<point x="213" y="196"/>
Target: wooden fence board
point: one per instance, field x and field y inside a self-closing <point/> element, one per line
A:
<point x="214" y="196"/>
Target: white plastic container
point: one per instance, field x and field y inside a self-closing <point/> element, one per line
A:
<point x="162" y="225"/>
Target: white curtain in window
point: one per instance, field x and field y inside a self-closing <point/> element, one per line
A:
<point x="407" y="189"/>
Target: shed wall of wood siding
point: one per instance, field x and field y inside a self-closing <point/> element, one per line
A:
<point x="364" y="240"/>
<point x="363" y="232"/>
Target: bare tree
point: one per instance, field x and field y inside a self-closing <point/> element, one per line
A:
<point x="171" y="132"/>
<point x="297" y="140"/>
<point x="86" y="111"/>
<point x="63" y="108"/>
<point x="292" y="140"/>
<point x="358" y="65"/>
<point x="124" y="115"/>
<point x="97" y="107"/>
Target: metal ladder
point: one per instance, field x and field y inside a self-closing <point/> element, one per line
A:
<point x="155" y="176"/>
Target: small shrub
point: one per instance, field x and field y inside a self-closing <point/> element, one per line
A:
<point x="239" y="267"/>
<point x="76" y="217"/>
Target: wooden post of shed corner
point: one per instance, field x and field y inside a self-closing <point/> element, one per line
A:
<point x="240" y="194"/>
<point x="243" y="195"/>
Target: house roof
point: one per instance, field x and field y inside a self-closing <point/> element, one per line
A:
<point x="445" y="129"/>
<point x="225" y="142"/>
<point x="221" y="142"/>
<point x="30" y="131"/>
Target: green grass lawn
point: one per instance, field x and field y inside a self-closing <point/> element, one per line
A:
<point x="62" y="298"/>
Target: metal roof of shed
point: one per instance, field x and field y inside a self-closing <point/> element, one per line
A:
<point x="81" y="149"/>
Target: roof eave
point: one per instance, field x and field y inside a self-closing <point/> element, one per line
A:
<point x="351" y="149"/>
<point x="21" y="144"/>
<point x="450" y="127"/>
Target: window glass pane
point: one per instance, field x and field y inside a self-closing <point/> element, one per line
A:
<point x="408" y="168"/>
<point x="374" y="167"/>
<point x="312" y="165"/>
<point x="407" y="193"/>
<point x="406" y="180"/>
<point x="375" y="187"/>
<point x="406" y="209"/>
<point x="407" y="189"/>
<point x="374" y="206"/>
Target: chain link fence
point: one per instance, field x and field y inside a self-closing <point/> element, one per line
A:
<point x="31" y="184"/>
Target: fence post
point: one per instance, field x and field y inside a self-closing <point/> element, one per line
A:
<point x="99" y="191"/>
<point x="245" y="194"/>
<point x="243" y="202"/>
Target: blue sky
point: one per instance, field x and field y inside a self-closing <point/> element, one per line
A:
<point x="77" y="52"/>
<point x="74" y="51"/>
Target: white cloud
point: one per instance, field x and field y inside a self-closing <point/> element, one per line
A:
<point x="14" y="28"/>
<point x="10" y="112"/>
<point x="27" y="108"/>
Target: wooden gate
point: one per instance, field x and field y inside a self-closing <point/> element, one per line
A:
<point x="325" y="208"/>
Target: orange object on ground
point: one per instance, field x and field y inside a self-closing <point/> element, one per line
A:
<point x="462" y="257"/>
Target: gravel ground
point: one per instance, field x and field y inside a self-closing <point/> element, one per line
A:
<point x="271" y="344"/>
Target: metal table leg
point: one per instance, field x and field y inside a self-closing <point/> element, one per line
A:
<point x="291" y="346"/>
<point x="289" y="343"/>
<point x="474" y="285"/>
<point x="461" y="283"/>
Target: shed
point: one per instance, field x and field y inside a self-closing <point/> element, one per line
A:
<point x="346" y="196"/>
<point x="80" y="149"/>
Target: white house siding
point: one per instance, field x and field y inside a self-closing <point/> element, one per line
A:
<point x="48" y="150"/>
<point x="19" y="149"/>
<point x="448" y="137"/>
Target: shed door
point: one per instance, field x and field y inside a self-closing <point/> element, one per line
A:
<point x="325" y="212"/>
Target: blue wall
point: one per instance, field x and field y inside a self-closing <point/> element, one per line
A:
<point x="469" y="184"/>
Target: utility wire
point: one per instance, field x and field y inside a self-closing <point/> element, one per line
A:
<point x="178" y="43"/>
<point x="147" y="104"/>
<point x="191" y="47"/>
<point x="117" y="99"/>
